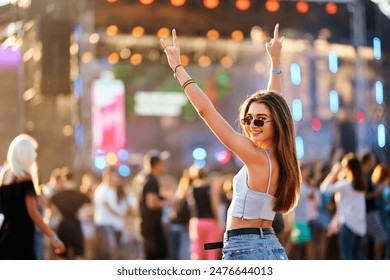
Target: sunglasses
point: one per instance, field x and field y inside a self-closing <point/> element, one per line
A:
<point x="256" y="122"/>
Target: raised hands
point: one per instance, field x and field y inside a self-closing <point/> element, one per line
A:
<point x="172" y="52"/>
<point x="274" y="46"/>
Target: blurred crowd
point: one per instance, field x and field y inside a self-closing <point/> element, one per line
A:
<point x="154" y="215"/>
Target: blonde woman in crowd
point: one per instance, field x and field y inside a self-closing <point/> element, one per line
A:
<point x="18" y="202"/>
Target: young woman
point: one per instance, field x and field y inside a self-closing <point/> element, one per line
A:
<point x="348" y="181"/>
<point x="18" y="202"/>
<point x="270" y="179"/>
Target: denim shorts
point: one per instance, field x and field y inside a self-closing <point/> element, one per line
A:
<point x="253" y="247"/>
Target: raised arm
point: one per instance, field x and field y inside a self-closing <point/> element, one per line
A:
<point x="237" y="143"/>
<point x="274" y="48"/>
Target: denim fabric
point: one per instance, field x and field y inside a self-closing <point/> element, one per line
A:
<point x="107" y="242"/>
<point x="349" y="244"/>
<point x="253" y="247"/>
<point x="179" y="241"/>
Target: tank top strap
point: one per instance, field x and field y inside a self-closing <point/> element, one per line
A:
<point x="270" y="170"/>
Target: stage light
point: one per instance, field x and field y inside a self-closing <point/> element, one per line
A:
<point x="113" y="58"/>
<point x="334" y="101"/>
<point x="123" y="155"/>
<point x="138" y="31"/>
<point x="381" y="135"/>
<point x="377" y="48"/>
<point x="243" y="5"/>
<point x="112" y="30"/>
<point x="297" y="110"/>
<point x="184" y="60"/>
<point x="124" y="170"/>
<point x="136" y="59"/>
<point x="295" y="74"/>
<point x="272" y="5"/>
<point x="125" y="53"/>
<point x="146" y="2"/>
<point x="331" y="8"/>
<point x="227" y="62"/>
<point x="333" y="62"/>
<point x="237" y="35"/>
<point x="178" y="3"/>
<point x="379" y="92"/>
<point x="163" y="32"/>
<point x="111" y="158"/>
<point x="111" y="1"/>
<point x="94" y="38"/>
<point x="316" y="124"/>
<point x="223" y="156"/>
<point x="212" y="34"/>
<point x="199" y="153"/>
<point x="86" y="57"/>
<point x="302" y="7"/>
<point x="211" y="4"/>
<point x="299" y="147"/>
<point x="204" y="61"/>
<point x="100" y="162"/>
<point x="200" y="163"/>
<point x="360" y="117"/>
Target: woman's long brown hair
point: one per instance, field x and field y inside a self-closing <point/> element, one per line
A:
<point x="287" y="194"/>
<point x="352" y="163"/>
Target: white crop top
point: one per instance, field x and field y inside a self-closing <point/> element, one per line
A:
<point x="249" y="204"/>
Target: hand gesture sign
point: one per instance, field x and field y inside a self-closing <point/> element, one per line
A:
<point x="274" y="46"/>
<point x="172" y="52"/>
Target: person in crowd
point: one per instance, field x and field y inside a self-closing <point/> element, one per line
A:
<point x="204" y="224"/>
<point x="180" y="214"/>
<point x="381" y="178"/>
<point x="348" y="181"/>
<point x="86" y="214"/>
<point x="19" y="188"/>
<point x="299" y="245"/>
<point x="106" y="213"/>
<point x="376" y="236"/>
<point x="69" y="201"/>
<point x="151" y="204"/>
<point x="269" y="181"/>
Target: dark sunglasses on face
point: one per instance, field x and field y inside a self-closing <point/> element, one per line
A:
<point x="256" y="122"/>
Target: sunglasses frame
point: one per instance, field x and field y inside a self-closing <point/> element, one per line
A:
<point x="256" y="122"/>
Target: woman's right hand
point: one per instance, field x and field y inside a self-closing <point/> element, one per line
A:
<point x="172" y="52"/>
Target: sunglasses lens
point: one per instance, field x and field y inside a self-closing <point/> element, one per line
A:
<point x="258" y="122"/>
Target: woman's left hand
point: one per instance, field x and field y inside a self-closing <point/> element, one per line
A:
<point x="172" y="52"/>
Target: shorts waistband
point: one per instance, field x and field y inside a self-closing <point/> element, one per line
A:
<point x="239" y="231"/>
<point x="242" y="231"/>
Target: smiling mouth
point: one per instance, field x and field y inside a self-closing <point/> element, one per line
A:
<point x="256" y="132"/>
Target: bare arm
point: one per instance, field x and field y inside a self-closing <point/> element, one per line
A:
<point x="376" y="193"/>
<point x="153" y="202"/>
<point x="237" y="143"/>
<point x="36" y="217"/>
<point x="274" y="48"/>
<point x="111" y="210"/>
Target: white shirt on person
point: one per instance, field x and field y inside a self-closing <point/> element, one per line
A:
<point x="104" y="194"/>
<point x="351" y="206"/>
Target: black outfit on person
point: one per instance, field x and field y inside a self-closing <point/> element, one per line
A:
<point x="69" y="230"/>
<point x="155" y="243"/>
<point x="18" y="230"/>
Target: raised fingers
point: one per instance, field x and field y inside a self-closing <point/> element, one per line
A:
<point x="174" y="37"/>
<point x="163" y="44"/>
<point x="276" y="31"/>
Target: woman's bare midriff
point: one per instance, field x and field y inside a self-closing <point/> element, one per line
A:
<point x="233" y="223"/>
